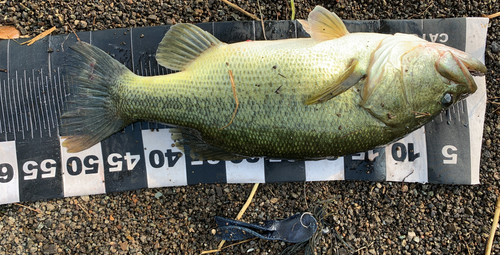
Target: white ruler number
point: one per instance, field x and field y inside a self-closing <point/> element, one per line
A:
<point x="115" y="161"/>
<point x="361" y="155"/>
<point x="48" y="168"/>
<point x="199" y="163"/>
<point x="449" y="152"/>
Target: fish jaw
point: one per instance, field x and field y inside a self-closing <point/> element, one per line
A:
<point x="459" y="67"/>
<point x="420" y="80"/>
<point x="436" y="76"/>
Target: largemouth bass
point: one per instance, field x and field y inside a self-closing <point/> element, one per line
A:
<point x="333" y="94"/>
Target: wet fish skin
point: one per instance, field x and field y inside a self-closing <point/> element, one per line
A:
<point x="330" y="95"/>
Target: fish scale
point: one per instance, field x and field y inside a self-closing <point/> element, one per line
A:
<point x="262" y="109"/>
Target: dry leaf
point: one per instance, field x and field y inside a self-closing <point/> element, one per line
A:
<point x="8" y="32"/>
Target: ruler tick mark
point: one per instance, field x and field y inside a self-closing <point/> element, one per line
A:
<point x="25" y="101"/>
<point x="3" y="111"/>
<point x="18" y="88"/>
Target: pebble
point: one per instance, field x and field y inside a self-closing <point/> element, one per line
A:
<point x="411" y="235"/>
<point x="50" y="207"/>
<point x="404" y="188"/>
<point x="495" y="47"/>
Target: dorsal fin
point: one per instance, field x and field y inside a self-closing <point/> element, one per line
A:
<point x="182" y="44"/>
<point x="324" y="25"/>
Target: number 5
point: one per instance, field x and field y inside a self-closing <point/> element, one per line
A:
<point x="450" y="158"/>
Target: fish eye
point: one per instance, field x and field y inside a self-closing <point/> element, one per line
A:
<point x="447" y="100"/>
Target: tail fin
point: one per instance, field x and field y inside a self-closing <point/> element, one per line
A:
<point x="92" y="113"/>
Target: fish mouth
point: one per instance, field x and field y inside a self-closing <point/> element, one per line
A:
<point x="474" y="66"/>
<point x="459" y="67"/>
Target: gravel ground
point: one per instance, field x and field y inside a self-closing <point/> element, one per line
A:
<point x="372" y="218"/>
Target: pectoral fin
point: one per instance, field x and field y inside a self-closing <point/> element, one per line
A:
<point x="347" y="79"/>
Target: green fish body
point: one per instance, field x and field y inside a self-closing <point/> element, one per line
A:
<point x="330" y="95"/>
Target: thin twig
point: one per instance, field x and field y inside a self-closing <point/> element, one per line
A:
<point x="247" y="203"/>
<point x="262" y="21"/>
<point x="82" y="207"/>
<point x="29" y="208"/>
<point x="342" y="240"/>
<point x="496" y="109"/>
<point x="305" y="194"/>
<point x="466" y="245"/>
<point x="494" y="15"/>
<point x="244" y="241"/>
<point x="62" y="44"/>
<point x="225" y="247"/>
<point x="493" y="227"/>
<point x="78" y="38"/>
<point x="293" y="9"/>
<point x="240" y="9"/>
<point x="16" y="42"/>
<point x="210" y="251"/>
<point x="233" y="87"/>
<point x="364" y="247"/>
<point x="40" y="36"/>
<point x="495" y="103"/>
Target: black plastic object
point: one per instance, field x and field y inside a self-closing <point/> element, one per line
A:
<point x="295" y="229"/>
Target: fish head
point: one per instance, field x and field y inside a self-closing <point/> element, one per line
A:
<point x="436" y="76"/>
<point x="417" y="81"/>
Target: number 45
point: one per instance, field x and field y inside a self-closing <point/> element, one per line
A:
<point x="115" y="161"/>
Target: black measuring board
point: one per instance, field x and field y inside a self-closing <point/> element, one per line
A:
<point x="34" y="89"/>
<point x="449" y="159"/>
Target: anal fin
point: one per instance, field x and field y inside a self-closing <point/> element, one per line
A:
<point x="190" y="140"/>
<point x="346" y="80"/>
